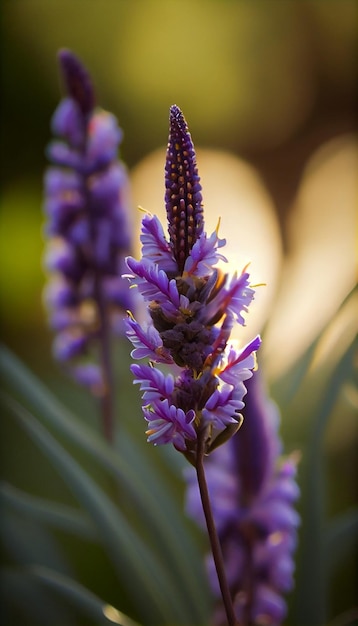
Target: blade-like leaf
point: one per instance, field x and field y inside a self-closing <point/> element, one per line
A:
<point x="23" y="599"/>
<point x="339" y="376"/>
<point x="289" y="384"/>
<point x="154" y="504"/>
<point x="95" y="609"/>
<point x="311" y="590"/>
<point x="26" y="542"/>
<point x="59" y="516"/>
<point x="139" y="572"/>
<point x="340" y="538"/>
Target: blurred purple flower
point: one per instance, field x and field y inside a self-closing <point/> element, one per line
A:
<point x="86" y="206"/>
<point x="252" y="491"/>
<point x="193" y="307"/>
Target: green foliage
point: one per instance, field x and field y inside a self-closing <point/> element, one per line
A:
<point x="311" y="400"/>
<point x="126" y="510"/>
<point x="162" y="576"/>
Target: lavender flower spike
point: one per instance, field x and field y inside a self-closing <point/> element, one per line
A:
<point x="183" y="199"/>
<point x="192" y="307"/>
<point x="87" y="228"/>
<point x="253" y="491"/>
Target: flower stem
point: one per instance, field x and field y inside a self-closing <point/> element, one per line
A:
<point x="213" y="536"/>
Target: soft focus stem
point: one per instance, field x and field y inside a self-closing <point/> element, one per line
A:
<point x="107" y="396"/>
<point x="213" y="536"/>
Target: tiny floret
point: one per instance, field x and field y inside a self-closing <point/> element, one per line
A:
<point x="168" y="423"/>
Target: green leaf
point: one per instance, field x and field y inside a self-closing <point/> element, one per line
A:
<point x="340" y="538"/>
<point x="23" y="600"/>
<point x="27" y="542"/>
<point x="87" y="602"/>
<point x="311" y="591"/>
<point x="140" y="573"/>
<point x="139" y="484"/>
<point x="43" y="511"/>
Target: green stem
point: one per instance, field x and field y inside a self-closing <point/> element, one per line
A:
<point x="213" y="536"/>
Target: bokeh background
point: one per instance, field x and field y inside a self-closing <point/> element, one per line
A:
<point x="269" y="89"/>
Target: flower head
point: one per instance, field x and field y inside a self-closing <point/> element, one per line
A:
<point x="183" y="199"/>
<point x="87" y="225"/>
<point x="192" y="308"/>
<point x="253" y="491"/>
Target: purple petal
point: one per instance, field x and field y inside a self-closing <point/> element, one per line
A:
<point x="169" y="424"/>
<point x="155" y="285"/>
<point x="155" y="247"/>
<point x="147" y="342"/>
<point x="239" y="363"/>
<point x="154" y="384"/>
<point x="204" y="255"/>
<point x="67" y="122"/>
<point x="60" y="154"/>
<point x="69" y="344"/>
<point x="90" y="376"/>
<point x="104" y="137"/>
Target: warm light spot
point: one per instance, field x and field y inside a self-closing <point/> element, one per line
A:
<point x="117" y="617"/>
<point x="321" y="268"/>
<point x="275" y="538"/>
<point x="295" y="457"/>
<point x="88" y="313"/>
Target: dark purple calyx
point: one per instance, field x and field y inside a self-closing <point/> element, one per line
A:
<point x="183" y="199"/>
<point x="77" y="81"/>
<point x="256" y="445"/>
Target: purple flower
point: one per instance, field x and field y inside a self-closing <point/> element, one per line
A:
<point x="155" y="384"/>
<point x="147" y="343"/>
<point x="168" y="423"/>
<point x="252" y="491"/>
<point x="155" y="247"/>
<point x="192" y="308"/>
<point x="87" y="226"/>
